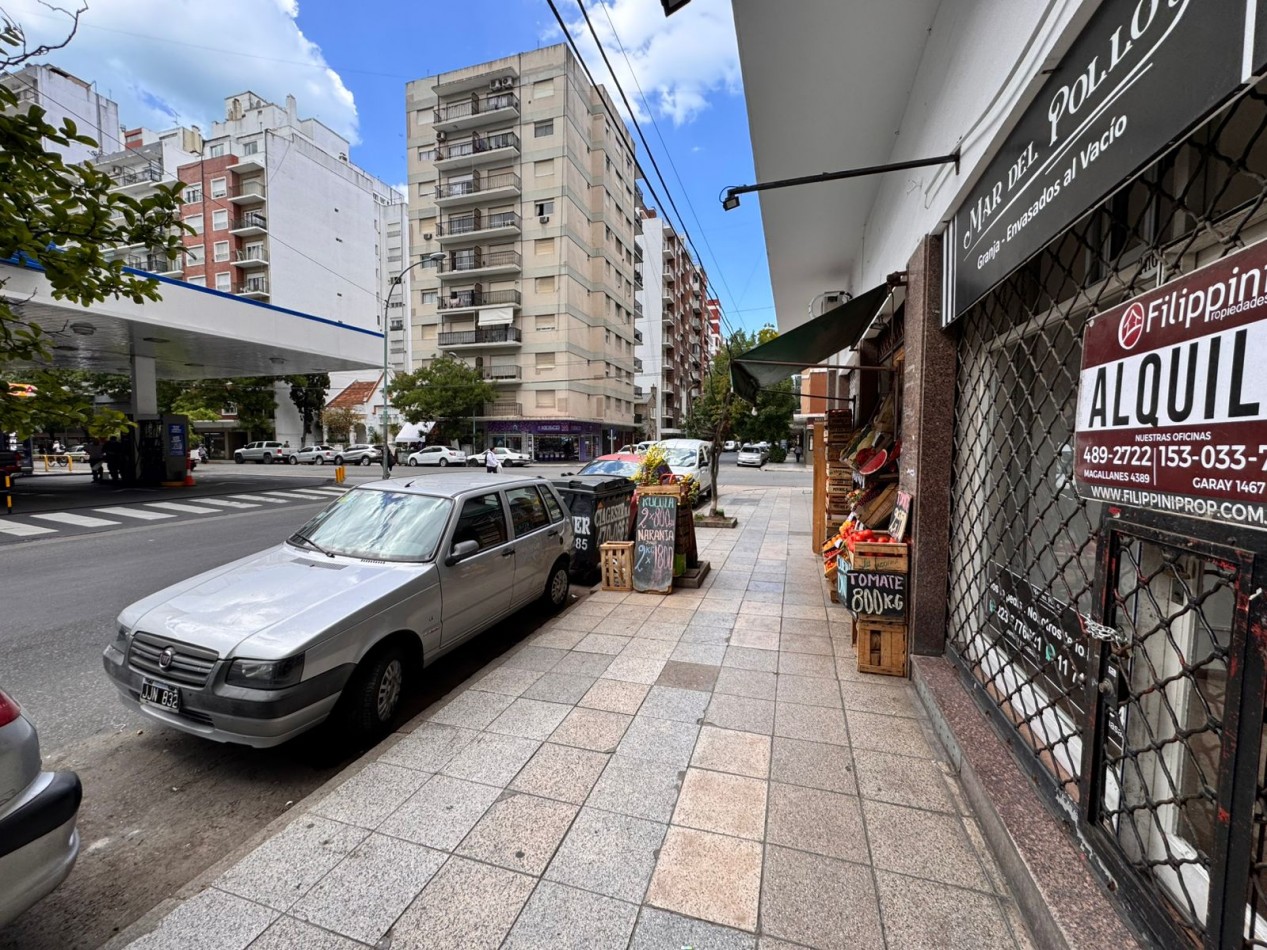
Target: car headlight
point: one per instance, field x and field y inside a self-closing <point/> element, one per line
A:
<point x="266" y="674"/>
<point x="121" y="636"/>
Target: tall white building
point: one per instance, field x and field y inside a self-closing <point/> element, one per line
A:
<point x="63" y="96"/>
<point x="520" y="176"/>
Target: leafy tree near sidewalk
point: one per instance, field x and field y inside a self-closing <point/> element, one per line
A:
<point x="340" y="422"/>
<point x="308" y="392"/>
<point x="448" y="393"/>
<point x="62" y="218"/>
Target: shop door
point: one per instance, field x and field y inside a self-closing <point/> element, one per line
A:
<point x="1179" y="714"/>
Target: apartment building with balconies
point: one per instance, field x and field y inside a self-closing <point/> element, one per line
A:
<point x="676" y="344"/>
<point x="524" y="183"/>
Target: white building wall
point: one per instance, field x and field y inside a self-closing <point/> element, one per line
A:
<point x="983" y="62"/>
<point x="63" y="96"/>
<point x="651" y="350"/>
<point x="323" y="237"/>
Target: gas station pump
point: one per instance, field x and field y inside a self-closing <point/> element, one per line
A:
<point x="159" y="446"/>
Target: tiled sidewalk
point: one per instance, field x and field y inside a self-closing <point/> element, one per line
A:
<point x="704" y="770"/>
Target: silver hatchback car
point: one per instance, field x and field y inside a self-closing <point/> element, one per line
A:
<point x="38" y="838"/>
<point x="341" y="617"/>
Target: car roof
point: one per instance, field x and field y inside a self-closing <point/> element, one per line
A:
<point x="453" y="485"/>
<point x="618" y="457"/>
<point x="682" y="443"/>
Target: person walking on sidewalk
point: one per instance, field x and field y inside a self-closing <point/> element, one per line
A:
<point x="491" y="462"/>
<point x="798" y="453"/>
<point x="96" y="460"/>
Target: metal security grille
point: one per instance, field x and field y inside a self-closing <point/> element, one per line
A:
<point x="1025" y="545"/>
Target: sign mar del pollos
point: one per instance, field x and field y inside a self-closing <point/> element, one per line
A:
<point x="1172" y="396"/>
<point x="1139" y="75"/>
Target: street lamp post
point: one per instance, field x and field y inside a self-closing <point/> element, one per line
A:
<point x="433" y="258"/>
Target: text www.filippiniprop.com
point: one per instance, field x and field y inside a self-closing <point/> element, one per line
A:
<point x="1236" y="512"/>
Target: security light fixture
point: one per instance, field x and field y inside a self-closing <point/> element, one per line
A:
<point x="731" y="201"/>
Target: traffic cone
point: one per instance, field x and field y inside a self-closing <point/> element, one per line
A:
<point x="189" y="473"/>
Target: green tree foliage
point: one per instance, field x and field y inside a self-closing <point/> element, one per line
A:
<point x="308" y="393"/>
<point x="448" y="393"/>
<point x="341" y="421"/>
<point x="63" y="218"/>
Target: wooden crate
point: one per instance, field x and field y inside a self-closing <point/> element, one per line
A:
<point x="616" y="560"/>
<point x="881" y="646"/>
<point x="874" y="556"/>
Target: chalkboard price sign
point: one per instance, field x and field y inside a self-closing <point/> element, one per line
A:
<point x="874" y="593"/>
<point x="653" y="543"/>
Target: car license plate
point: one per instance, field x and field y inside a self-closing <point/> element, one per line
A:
<point x="160" y="694"/>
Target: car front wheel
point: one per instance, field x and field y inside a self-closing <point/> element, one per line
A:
<point x="338" y="460"/>
<point x="294" y="460"/>
<point x="373" y="696"/>
<point x="557" y="586"/>
<point x="238" y="458"/>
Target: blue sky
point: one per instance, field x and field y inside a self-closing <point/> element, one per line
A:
<point x="170" y="62"/>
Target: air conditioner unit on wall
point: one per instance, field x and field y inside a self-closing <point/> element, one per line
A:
<point x="544" y="219"/>
<point x="441" y="137"/>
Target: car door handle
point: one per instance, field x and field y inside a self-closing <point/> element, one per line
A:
<point x="552" y="532"/>
<point x="508" y="552"/>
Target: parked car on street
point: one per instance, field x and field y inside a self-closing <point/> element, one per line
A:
<point x="690" y="457"/>
<point x="730" y="445"/>
<point x="314" y="455"/>
<point x="77" y="453"/>
<point x="752" y="455"/>
<point x="359" y="455"/>
<point x="266" y="452"/>
<point x="15" y="460"/>
<point x="340" y="619"/>
<point x="38" y="838"/>
<point x="440" y="455"/>
<point x="625" y="464"/>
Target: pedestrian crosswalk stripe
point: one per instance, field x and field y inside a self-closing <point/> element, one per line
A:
<point x="79" y="521"/>
<point x="177" y="506"/>
<point x="310" y="492"/>
<point x="139" y="513"/>
<point x="275" y="501"/>
<point x="289" y="496"/>
<point x="226" y="503"/>
<point x="23" y="530"/>
<point x="324" y="491"/>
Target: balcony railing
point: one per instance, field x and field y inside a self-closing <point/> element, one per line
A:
<point x="460" y="261"/>
<point x="466" y="299"/>
<point x="638" y="307"/>
<point x="481" y="336"/>
<point x="251" y="190"/>
<point x="251" y="254"/>
<point x="152" y="263"/>
<point x="501" y="373"/>
<point x="475" y="221"/>
<point x="136" y="176"/>
<point x="251" y="220"/>
<point x="637" y="336"/>
<point x="503" y="407"/>
<point x="477" y="143"/>
<point x="252" y="285"/>
<point x="475" y="185"/>
<point x="474" y="106"/>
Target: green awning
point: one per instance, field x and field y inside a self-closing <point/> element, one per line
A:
<point x="808" y="345"/>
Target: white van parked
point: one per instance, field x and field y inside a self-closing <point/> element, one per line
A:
<point x="690" y="457"/>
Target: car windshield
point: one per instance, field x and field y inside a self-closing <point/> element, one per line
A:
<point x="385" y="525"/>
<point x="683" y="457"/>
<point x="610" y="467"/>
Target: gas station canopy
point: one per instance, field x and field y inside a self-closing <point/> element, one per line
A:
<point x="191" y="333"/>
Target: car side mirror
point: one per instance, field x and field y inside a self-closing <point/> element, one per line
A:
<point x="461" y="551"/>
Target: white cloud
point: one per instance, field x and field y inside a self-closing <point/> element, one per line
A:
<point x="173" y="62"/>
<point x="680" y="61"/>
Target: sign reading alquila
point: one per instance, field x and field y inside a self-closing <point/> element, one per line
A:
<point x="1140" y="73"/>
<point x="1172" y="397"/>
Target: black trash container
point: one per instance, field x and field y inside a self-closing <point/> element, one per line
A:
<point x="600" y="507"/>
